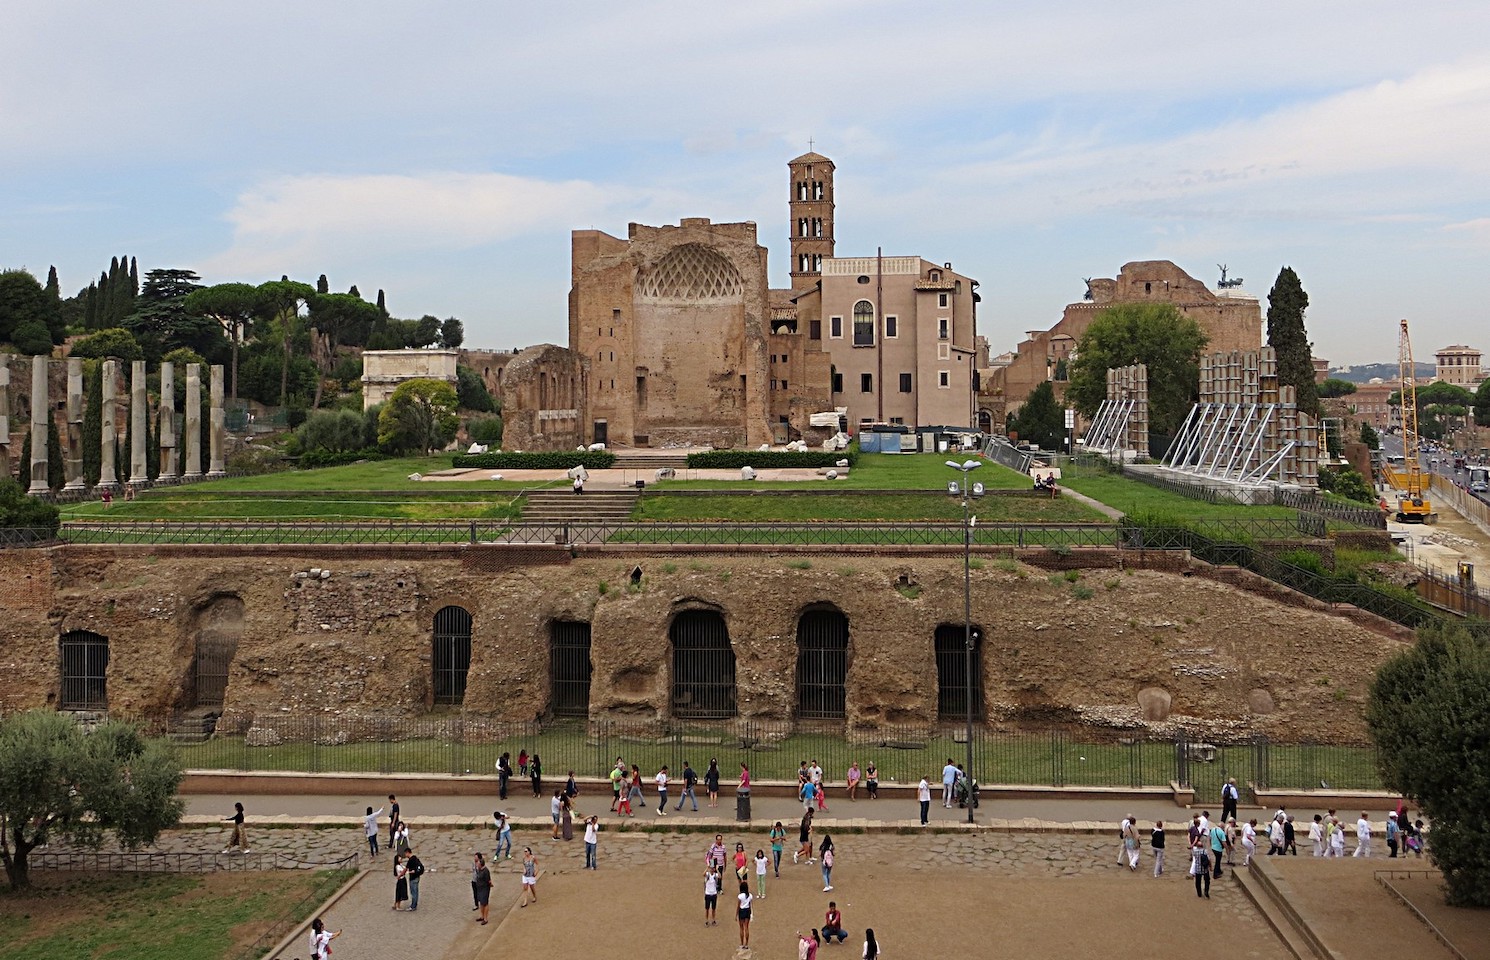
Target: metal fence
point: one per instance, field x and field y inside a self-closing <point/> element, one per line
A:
<point x="1055" y="756"/>
<point x="116" y="861"/>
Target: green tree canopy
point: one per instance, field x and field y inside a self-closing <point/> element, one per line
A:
<point x="1155" y="334"/>
<point x="1333" y="387"/>
<point x="32" y="338"/>
<point x="233" y="307"/>
<point x="23" y="303"/>
<point x="113" y="342"/>
<point x="58" y="783"/>
<point x="1428" y="712"/>
<point x="284" y="300"/>
<point x="333" y="431"/>
<point x="1482" y="405"/>
<point x="419" y="416"/>
<point x="452" y="333"/>
<point x="18" y="511"/>
<point x="471" y="391"/>
<point x="1041" y="420"/>
<point x="1369" y="436"/>
<point x="161" y="320"/>
<point x="1287" y="302"/>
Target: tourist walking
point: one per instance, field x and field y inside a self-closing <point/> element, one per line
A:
<point x="1200" y="867"/>
<point x="394" y="819"/>
<point x="661" y="779"/>
<point x="1156" y="844"/>
<point x="504" y="837"/>
<point x="826" y="853"/>
<point x="592" y="837"/>
<point x="923" y="795"/>
<point x="1123" y="839"/>
<point x="504" y="774"/>
<point x="762" y="863"/>
<point x="711" y="896"/>
<point x="714" y="857"/>
<point x="690" y="781"/>
<point x="320" y="940"/>
<point x="949" y="777"/>
<point x="535" y="774"/>
<point x="401" y="839"/>
<point x="477" y="862"/>
<point x="483" y="889"/>
<point x="804" y="838"/>
<point x="571" y="789"/>
<point x="711" y="782"/>
<point x="1290" y="838"/>
<point x="1249" y="841"/>
<point x="1393" y="835"/>
<point x="807" y="793"/>
<point x="817" y="786"/>
<point x="617" y="776"/>
<point x="566" y="816"/>
<point x="1277" y="844"/>
<point x="1337" y="837"/>
<point x="530" y="873"/>
<point x="852" y="779"/>
<point x="634" y="792"/>
<point x="872" y="781"/>
<point x="1363" y="836"/>
<point x="415" y="868"/>
<point x="1130" y="842"/>
<point x="370" y="827"/>
<point x="522" y="762"/>
<point x="741" y="859"/>
<point x="1316" y="836"/>
<point x="239" y="840"/>
<point x="833" y="923"/>
<point x="744" y="899"/>
<point x="556" y="811"/>
<point x="1218" y="844"/>
<point x="871" y="945"/>
<point x="778" y="840"/>
<point x="1229" y="797"/>
<point x="400" y="881"/>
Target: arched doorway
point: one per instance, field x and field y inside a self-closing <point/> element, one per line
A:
<point x="822" y="663"/>
<point x="452" y="654"/>
<point x="85" y="668"/>
<point x="219" y="625"/>
<point x="569" y="668"/>
<point x="952" y="681"/>
<point x="703" y="684"/>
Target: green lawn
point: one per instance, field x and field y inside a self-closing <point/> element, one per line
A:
<point x="1133" y="496"/>
<point x="139" y="916"/>
<point x="194" y="503"/>
<point x="897" y="506"/>
<point x="887" y="471"/>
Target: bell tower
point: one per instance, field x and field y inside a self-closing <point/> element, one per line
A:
<point x="811" y="184"/>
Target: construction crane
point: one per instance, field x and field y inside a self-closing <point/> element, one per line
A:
<point x="1412" y="500"/>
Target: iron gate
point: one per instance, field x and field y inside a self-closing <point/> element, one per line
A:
<point x="452" y="654"/>
<point x="216" y="645"/>
<point x="569" y="668"/>
<point x="85" y="667"/>
<point x="703" y="666"/>
<point x="822" y="664"/>
<point x="951" y="673"/>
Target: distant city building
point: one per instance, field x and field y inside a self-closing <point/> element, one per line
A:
<point x="1370" y="403"/>
<point x="1321" y="371"/>
<point x="1459" y="365"/>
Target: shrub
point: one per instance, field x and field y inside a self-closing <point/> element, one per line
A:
<point x="760" y="459"/>
<point x="331" y="432"/>
<point x="485" y="430"/>
<point x="590" y="460"/>
<point x="18" y="511"/>
<point x="1307" y="560"/>
<point x="114" y="342"/>
<point x="313" y="459"/>
<point x="471" y="391"/>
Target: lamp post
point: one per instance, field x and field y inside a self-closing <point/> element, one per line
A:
<point x="966" y="467"/>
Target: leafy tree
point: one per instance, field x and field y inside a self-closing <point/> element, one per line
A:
<point x="161" y="320"/>
<point x="334" y="431"/>
<point x="23" y="303"/>
<point x="1428" y="711"/>
<point x="32" y="338"/>
<point x="1346" y="482"/>
<point x="1369" y="436"/>
<point x="1443" y="394"/>
<point x="426" y="332"/>
<point x="233" y="307"/>
<point x="284" y="299"/>
<point x="471" y="390"/>
<point x="1041" y="420"/>
<point x="340" y="318"/>
<point x="353" y="292"/>
<point x="1287" y="302"/>
<point x="56" y="323"/>
<point x="323" y="285"/>
<point x="485" y="430"/>
<point x="420" y="415"/>
<point x="19" y="511"/>
<point x="452" y="333"/>
<point x="1482" y="404"/>
<point x="1156" y="334"/>
<point x="58" y="783"/>
<point x="114" y="342"/>
<point x="1334" y="387"/>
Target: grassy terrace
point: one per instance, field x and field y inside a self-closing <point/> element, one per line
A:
<point x="866" y="506"/>
<point x="1133" y="496"/>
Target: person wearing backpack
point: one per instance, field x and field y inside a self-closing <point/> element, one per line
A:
<point x="1229" y="797"/>
<point x="414" y="868"/>
<point x="690" y="780"/>
<point x="1218" y="844"/>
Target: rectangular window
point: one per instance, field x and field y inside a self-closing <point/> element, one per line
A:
<point x="892" y="327"/>
<point x="905" y="383"/>
<point x="941" y="299"/>
<point x="615" y="313"/>
<point x="863" y="328"/>
<point x="897" y="420"/>
<point x="941" y="328"/>
<point x="944" y="378"/>
<point x="866" y="383"/>
<point x="837" y="383"/>
<point x="783" y="385"/>
<point x="835" y="328"/>
<point x="944" y="351"/>
<point x="814" y="330"/>
<point x="773" y="384"/>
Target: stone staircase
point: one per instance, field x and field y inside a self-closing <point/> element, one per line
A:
<point x="1271" y="896"/>
<point x="593" y="506"/>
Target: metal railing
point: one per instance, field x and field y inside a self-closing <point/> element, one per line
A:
<point x="902" y="754"/>
<point x="117" y="861"/>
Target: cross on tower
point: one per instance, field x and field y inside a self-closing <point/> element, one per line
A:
<point x="810" y="143"/>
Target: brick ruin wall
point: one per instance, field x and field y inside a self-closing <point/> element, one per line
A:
<point x="1223" y="656"/>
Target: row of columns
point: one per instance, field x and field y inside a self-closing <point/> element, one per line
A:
<point x="139" y="415"/>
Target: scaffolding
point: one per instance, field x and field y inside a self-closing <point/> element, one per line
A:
<point x="1120" y="427"/>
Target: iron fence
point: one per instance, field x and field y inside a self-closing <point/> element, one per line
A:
<point x="1362" y="516"/>
<point x="133" y="861"/>
<point x="902" y="754"/>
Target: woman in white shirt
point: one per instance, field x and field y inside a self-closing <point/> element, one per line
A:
<point x="320" y="939"/>
<point x="871" y="946"/>
<point x="744" y="914"/>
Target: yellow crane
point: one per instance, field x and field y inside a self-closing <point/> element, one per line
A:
<point x="1412" y="502"/>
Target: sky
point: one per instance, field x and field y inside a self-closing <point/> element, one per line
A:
<point x="442" y="151"/>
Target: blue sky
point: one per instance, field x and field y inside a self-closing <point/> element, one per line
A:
<point x="443" y="150"/>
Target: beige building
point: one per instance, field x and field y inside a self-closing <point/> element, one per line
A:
<point x="384" y="370"/>
<point x="1459" y="365"/>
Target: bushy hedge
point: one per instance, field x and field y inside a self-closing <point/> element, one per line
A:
<point x="735" y="459"/>
<point x="597" y="460"/>
<point x="322" y="457"/>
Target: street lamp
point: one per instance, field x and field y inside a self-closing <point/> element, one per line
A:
<point x="966" y="467"/>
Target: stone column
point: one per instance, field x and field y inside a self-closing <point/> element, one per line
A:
<point x="219" y="426"/>
<point x="139" y="418"/>
<point x="74" y="462"/>
<point x="193" y="468"/>
<point x="108" y="434"/>
<point x="40" y="416"/>
<point x="167" y="423"/>
<point x="4" y="414"/>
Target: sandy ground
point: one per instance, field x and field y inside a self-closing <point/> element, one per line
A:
<point x="1445" y="543"/>
<point x="1467" y="929"/>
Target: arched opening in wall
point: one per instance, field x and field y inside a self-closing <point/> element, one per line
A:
<point x="952" y="686"/>
<point x="822" y="663"/>
<point x="569" y="668"/>
<point x="703" y="666"/>
<point x="985" y="420"/>
<point x="218" y="627"/>
<point x="85" y="668"/>
<point x="452" y="654"/>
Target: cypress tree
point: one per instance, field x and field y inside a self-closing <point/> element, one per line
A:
<point x="90" y="307"/>
<point x="382" y="305"/>
<point x="23" y="468"/>
<point x="134" y="278"/>
<point x="323" y="285"/>
<point x="353" y="292"/>
<point x="1287" y="302"/>
<point x="92" y="421"/>
<point x="56" y="478"/>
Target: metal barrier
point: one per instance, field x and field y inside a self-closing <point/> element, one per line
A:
<point x="97" y="861"/>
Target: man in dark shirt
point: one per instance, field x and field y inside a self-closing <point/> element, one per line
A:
<point x="239" y="840"/>
<point x="1156" y="841"/>
<point x="416" y="870"/>
<point x="393" y="819"/>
